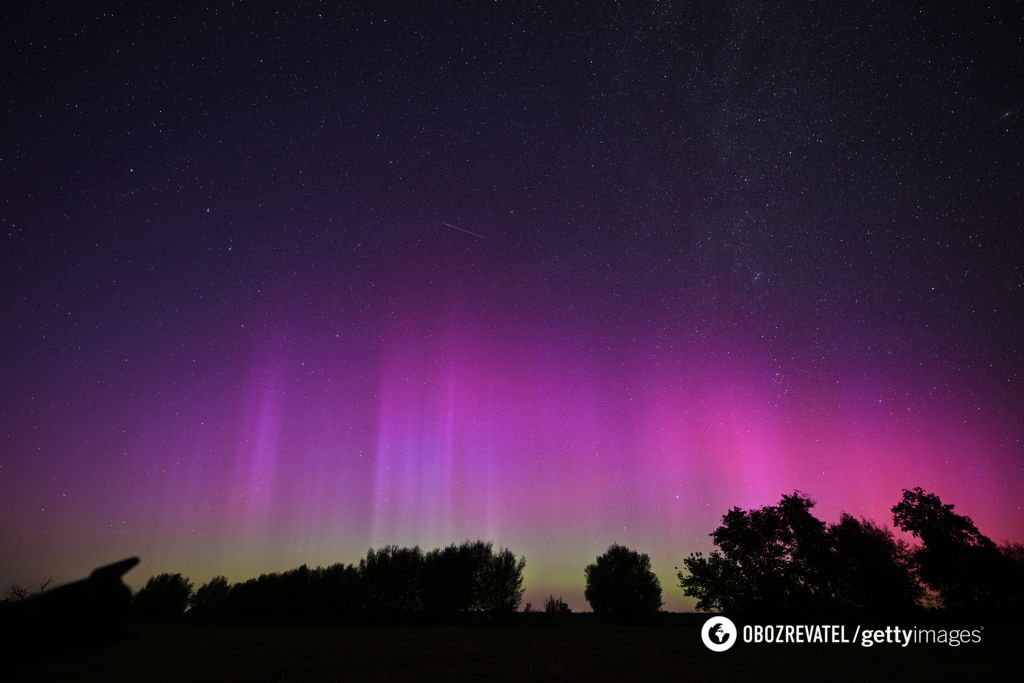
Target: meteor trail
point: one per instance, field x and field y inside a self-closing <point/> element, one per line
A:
<point x="466" y="231"/>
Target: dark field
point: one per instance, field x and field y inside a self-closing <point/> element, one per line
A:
<point x="579" y="649"/>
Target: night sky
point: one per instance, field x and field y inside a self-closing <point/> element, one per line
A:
<point x="279" y="284"/>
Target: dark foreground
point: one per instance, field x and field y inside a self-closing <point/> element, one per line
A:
<point x="577" y="649"/>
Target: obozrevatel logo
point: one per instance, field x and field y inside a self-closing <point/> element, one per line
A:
<point x="719" y="634"/>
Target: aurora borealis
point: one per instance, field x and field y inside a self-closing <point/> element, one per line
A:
<point x="279" y="285"/>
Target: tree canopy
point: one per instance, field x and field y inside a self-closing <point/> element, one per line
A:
<point x="965" y="568"/>
<point x="164" y="597"/>
<point x="781" y="557"/>
<point x="620" y="583"/>
<point x="388" y="582"/>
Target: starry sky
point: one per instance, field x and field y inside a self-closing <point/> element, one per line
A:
<point x="282" y="282"/>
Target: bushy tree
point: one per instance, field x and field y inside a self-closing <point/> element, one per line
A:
<point x="501" y="583"/>
<point x="769" y="558"/>
<point x="620" y="583"/>
<point x="718" y="582"/>
<point x="164" y="598"/>
<point x="959" y="563"/>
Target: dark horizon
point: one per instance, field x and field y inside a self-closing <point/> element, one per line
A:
<point x="930" y="562"/>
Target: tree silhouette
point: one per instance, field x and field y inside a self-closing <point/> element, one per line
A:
<point x="452" y="577"/>
<point x="164" y="597"/>
<point x="300" y="593"/>
<point x="16" y="593"/>
<point x="810" y="566"/>
<point x="718" y="582"/>
<point x="620" y="583"/>
<point x="781" y="557"/>
<point x="336" y="590"/>
<point x="209" y="599"/>
<point x="389" y="582"/>
<point x="934" y="522"/>
<point x="872" y="570"/>
<point x="390" y="579"/>
<point x="1013" y="552"/>
<point x="553" y="605"/>
<point x="501" y="583"/>
<point x="770" y="558"/>
<point x="286" y="595"/>
<point x="471" y="577"/>
<point x="962" y="565"/>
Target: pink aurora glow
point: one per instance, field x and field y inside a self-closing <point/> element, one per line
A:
<point x="470" y="425"/>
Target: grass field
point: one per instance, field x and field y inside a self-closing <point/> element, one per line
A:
<point x="576" y="649"/>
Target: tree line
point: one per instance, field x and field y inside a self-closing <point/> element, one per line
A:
<point x="772" y="559"/>
<point x="782" y="558"/>
<point x="389" y="582"/>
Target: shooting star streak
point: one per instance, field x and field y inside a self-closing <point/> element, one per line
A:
<point x="466" y="231"/>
